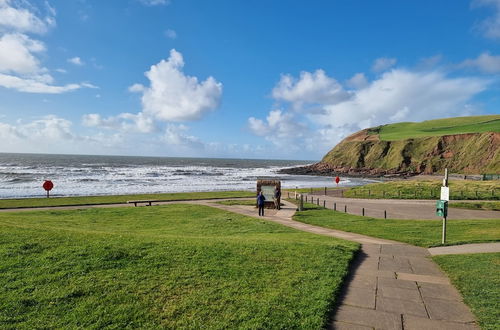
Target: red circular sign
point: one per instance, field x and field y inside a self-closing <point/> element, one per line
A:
<point x="48" y="185"/>
<point x="337" y="180"/>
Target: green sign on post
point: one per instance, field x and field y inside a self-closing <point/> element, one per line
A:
<point x="441" y="208"/>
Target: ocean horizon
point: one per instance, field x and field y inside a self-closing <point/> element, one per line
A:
<point x="22" y="175"/>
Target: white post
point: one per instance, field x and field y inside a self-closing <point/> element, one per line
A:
<point x="445" y="184"/>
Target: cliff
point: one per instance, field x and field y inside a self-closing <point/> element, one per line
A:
<point x="365" y="154"/>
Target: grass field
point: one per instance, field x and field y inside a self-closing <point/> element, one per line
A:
<point x="175" y="266"/>
<point x="427" y="189"/>
<point x="476" y="277"/>
<point x="425" y="233"/>
<point x="438" y="127"/>
<point x="117" y="199"/>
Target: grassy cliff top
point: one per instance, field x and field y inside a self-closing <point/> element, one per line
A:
<point x="438" y="127"/>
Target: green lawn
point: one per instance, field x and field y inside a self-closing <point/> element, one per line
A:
<point x="173" y="266"/>
<point x="427" y="189"/>
<point x="244" y="202"/>
<point x="425" y="233"/>
<point x="117" y="199"/>
<point x="477" y="278"/>
<point x="438" y="127"/>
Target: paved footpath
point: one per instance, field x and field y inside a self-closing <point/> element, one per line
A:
<point x="390" y="285"/>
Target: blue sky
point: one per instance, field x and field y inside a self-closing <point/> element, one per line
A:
<point x="242" y="79"/>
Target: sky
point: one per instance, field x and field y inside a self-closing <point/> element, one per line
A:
<point x="265" y="79"/>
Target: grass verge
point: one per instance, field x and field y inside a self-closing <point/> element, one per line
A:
<point x="238" y="202"/>
<point x="172" y="266"/>
<point x="490" y="206"/>
<point x="425" y="233"/>
<point x="118" y="199"/>
<point x="427" y="189"/>
<point x="476" y="277"/>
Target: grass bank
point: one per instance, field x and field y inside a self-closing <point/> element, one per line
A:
<point x="427" y="189"/>
<point x="172" y="266"/>
<point x="118" y="199"/>
<point x="425" y="233"/>
<point x="476" y="277"/>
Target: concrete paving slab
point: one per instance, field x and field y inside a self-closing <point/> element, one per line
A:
<point x="368" y="317"/>
<point x="440" y="309"/>
<point x="439" y="291"/>
<point x="404" y="250"/>
<point x="390" y="264"/>
<point x="361" y="281"/>
<point x="398" y="293"/>
<point x="424" y="266"/>
<point x="350" y="326"/>
<point x="360" y="297"/>
<point x="423" y="278"/>
<point x="396" y="283"/>
<point x="411" y="322"/>
<point x="400" y="306"/>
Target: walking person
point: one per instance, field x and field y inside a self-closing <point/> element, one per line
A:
<point x="277" y="198"/>
<point x="260" y="203"/>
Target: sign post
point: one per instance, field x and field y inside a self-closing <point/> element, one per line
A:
<point x="442" y="204"/>
<point x="48" y="185"/>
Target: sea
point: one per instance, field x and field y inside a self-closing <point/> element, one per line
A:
<point x="22" y="175"/>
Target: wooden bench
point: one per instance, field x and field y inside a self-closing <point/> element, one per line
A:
<point x="138" y="202"/>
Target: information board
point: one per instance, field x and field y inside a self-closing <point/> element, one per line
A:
<point x="268" y="192"/>
<point x="445" y="194"/>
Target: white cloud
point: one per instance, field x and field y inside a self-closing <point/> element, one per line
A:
<point x="280" y="128"/>
<point x="17" y="54"/>
<point x="13" y="17"/>
<point x="76" y="61"/>
<point x="397" y="95"/>
<point x="155" y="2"/>
<point x="485" y="63"/>
<point x="403" y="95"/>
<point x="174" y="96"/>
<point x="126" y="122"/>
<point x="357" y="81"/>
<point x="383" y="63"/>
<point x="171" y="34"/>
<point x="176" y="135"/>
<point x="490" y="27"/>
<point x="20" y="67"/>
<point x="310" y="89"/>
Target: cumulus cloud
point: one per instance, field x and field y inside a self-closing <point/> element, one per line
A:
<point x="174" y="96"/>
<point x="76" y="61"/>
<point x="403" y="95"/>
<point x="490" y="27"/>
<point x="280" y="128"/>
<point x="357" y="81"/>
<point x="20" y="66"/>
<point x="176" y="135"/>
<point x="485" y="63"/>
<point x="309" y="89"/>
<point x="383" y="63"/>
<point x="397" y="95"/>
<point x="13" y="17"/>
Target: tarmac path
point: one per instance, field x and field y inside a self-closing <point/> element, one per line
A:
<point x="397" y="208"/>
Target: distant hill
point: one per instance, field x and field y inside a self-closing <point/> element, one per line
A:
<point x="466" y="145"/>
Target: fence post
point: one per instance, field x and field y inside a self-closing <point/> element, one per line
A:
<point x="363" y="213"/>
<point x="324" y="204"/>
<point x="301" y="204"/>
<point x="385" y="214"/>
<point x="317" y="202"/>
<point x="335" y="206"/>
<point x="325" y="191"/>
<point x="345" y="208"/>
<point x="288" y="194"/>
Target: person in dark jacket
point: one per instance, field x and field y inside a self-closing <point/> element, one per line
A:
<point x="277" y="198"/>
<point x="260" y="203"/>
